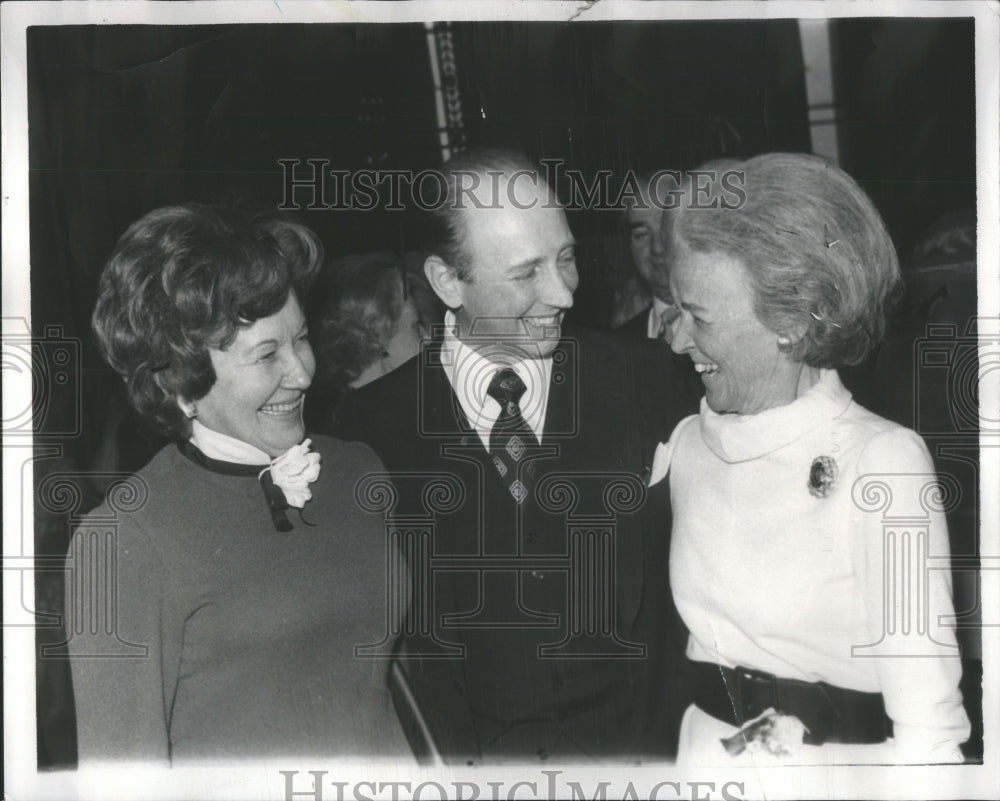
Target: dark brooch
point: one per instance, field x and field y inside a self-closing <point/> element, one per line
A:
<point x="822" y="475"/>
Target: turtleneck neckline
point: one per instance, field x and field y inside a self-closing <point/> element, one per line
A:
<point x="739" y="438"/>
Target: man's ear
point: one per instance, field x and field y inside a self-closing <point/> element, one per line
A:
<point x="444" y="281"/>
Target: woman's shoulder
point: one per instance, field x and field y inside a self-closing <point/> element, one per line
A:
<point x="131" y="491"/>
<point x="345" y="452"/>
<point x="132" y="509"/>
<point x="133" y="498"/>
<point x="884" y="441"/>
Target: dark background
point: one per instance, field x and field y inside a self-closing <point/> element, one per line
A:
<point x="124" y="119"/>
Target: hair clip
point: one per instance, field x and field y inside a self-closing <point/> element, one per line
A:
<point x="819" y="319"/>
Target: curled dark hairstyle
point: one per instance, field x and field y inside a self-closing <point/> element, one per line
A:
<point x="446" y="217"/>
<point x="184" y="279"/>
<point x="817" y="254"/>
<point x="364" y="298"/>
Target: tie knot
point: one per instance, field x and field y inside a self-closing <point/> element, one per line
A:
<point x="506" y="387"/>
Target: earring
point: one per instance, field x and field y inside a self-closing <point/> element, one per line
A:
<point x="189" y="409"/>
<point x="784" y="343"/>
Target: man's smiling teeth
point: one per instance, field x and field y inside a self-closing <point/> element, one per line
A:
<point x="540" y="321"/>
<point x="282" y="408"/>
<point x="707" y="368"/>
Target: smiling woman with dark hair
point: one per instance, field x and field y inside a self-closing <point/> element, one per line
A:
<point x="246" y="577"/>
<point x="783" y="489"/>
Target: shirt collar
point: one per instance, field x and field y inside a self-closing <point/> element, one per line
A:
<point x="654" y="318"/>
<point x="224" y="448"/>
<point x="470" y="373"/>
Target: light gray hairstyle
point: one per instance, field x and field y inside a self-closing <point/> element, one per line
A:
<point x="817" y="254"/>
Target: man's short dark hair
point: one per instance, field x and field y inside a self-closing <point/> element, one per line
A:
<point x="449" y="234"/>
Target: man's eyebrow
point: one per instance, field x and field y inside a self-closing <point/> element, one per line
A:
<point x="523" y="265"/>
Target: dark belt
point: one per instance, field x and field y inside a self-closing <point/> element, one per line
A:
<point x="831" y="714"/>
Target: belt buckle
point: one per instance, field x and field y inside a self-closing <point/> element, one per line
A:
<point x="751" y="686"/>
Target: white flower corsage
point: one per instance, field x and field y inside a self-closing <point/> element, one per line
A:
<point x="768" y="735"/>
<point x="294" y="471"/>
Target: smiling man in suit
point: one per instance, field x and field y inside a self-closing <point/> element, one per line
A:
<point x="542" y="626"/>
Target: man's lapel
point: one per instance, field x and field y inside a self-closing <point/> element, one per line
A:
<point x="574" y="394"/>
<point x="562" y="413"/>
<point x="441" y="413"/>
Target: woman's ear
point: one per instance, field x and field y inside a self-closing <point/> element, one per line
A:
<point x="788" y="339"/>
<point x="444" y="281"/>
<point x="188" y="407"/>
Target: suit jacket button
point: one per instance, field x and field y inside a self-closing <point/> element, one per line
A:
<point x="542" y="754"/>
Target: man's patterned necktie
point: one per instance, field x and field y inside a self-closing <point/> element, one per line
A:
<point x="511" y="435"/>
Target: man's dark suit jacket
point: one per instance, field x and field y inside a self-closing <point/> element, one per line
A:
<point x="617" y="694"/>
<point x="683" y="367"/>
<point x="637" y="326"/>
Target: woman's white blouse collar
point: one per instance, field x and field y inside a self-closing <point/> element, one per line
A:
<point x="740" y="438"/>
<point x="224" y="448"/>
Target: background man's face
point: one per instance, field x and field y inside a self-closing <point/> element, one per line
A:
<point x="522" y="271"/>
<point x="649" y="251"/>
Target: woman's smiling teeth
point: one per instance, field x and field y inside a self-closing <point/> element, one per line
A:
<point x="282" y="408"/>
<point x="705" y="368"/>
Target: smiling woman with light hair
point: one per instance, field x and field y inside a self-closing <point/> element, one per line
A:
<point x="779" y="556"/>
<point x="221" y="619"/>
